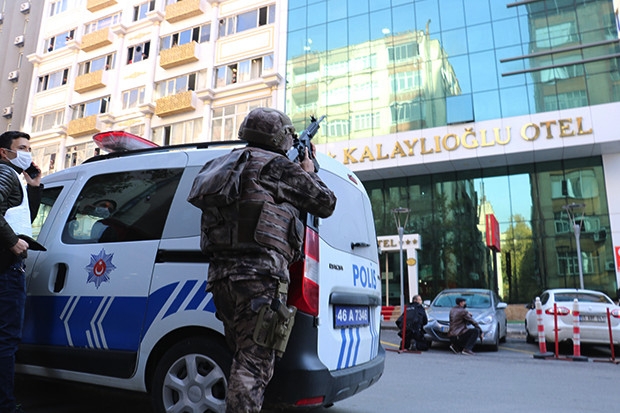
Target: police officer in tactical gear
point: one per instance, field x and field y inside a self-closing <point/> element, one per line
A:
<point x="251" y="231"/>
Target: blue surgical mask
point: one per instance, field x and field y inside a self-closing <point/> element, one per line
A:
<point x="102" y="212"/>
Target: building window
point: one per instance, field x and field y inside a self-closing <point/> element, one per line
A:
<point x="52" y="80"/>
<point x="227" y="119"/>
<point x="403" y="52"/>
<point x="58" y="6"/>
<point x="100" y="63"/>
<point x="406" y="81"/>
<point x="568" y="263"/>
<point x="199" y="34"/>
<point x="247" y="21"/>
<point x="366" y="121"/>
<point x="555" y="35"/>
<point x="77" y="154"/>
<point x="243" y="71"/>
<point x="49" y="120"/>
<point x="59" y="41"/>
<point x="140" y="11"/>
<point x="337" y="128"/>
<point x="176" y="85"/>
<point x="566" y="100"/>
<point x="138" y="53"/>
<point x="133" y="97"/>
<point x="102" y="23"/>
<point x="178" y="133"/>
<point x="407" y="111"/>
<point x="93" y="107"/>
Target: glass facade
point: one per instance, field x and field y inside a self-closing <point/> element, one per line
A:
<point x="381" y="67"/>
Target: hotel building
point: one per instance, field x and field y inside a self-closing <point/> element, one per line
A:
<point x="492" y="121"/>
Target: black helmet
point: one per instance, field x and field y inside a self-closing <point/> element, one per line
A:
<point x="268" y="127"/>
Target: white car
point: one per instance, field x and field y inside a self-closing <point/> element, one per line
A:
<point x="593" y="324"/>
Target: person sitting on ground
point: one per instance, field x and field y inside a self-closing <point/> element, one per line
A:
<point x="463" y="338"/>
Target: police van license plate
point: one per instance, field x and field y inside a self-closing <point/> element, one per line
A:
<point x="351" y="316"/>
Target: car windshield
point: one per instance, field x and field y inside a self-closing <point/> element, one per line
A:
<point x="473" y="300"/>
<point x="581" y="297"/>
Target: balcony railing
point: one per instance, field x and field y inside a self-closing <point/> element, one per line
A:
<point x="184" y="10"/>
<point x="90" y="81"/>
<point x="96" y="5"/>
<point x="95" y="40"/>
<point x="84" y="126"/>
<point x="179" y="55"/>
<point x="174" y="104"/>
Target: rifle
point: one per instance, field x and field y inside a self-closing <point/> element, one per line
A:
<point x="298" y="150"/>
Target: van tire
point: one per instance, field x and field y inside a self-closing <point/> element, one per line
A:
<point x="204" y="389"/>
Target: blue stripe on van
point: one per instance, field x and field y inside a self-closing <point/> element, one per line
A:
<point x="176" y="304"/>
<point x="108" y="322"/>
<point x="349" y="347"/>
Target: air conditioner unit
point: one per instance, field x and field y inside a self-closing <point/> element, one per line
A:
<point x="24" y="7"/>
<point x="600" y="236"/>
<point x="14" y="75"/>
<point x="610" y="266"/>
<point x="19" y="40"/>
<point x="7" y="112"/>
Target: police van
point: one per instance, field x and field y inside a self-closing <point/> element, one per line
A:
<point x="118" y="298"/>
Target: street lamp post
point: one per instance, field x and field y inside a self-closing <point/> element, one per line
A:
<point x="401" y="215"/>
<point x="569" y="208"/>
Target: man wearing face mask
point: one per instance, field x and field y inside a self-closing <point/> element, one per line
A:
<point x="19" y="204"/>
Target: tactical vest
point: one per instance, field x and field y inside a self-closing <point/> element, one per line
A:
<point x="254" y="222"/>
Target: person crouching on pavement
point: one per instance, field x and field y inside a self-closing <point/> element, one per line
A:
<point x="463" y="338"/>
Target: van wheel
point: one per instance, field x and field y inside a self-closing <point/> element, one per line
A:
<point x="192" y="376"/>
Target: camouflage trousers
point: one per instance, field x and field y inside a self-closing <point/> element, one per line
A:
<point x="252" y="365"/>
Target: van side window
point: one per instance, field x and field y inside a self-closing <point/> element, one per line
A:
<point x="48" y="198"/>
<point x="351" y="222"/>
<point x="118" y="207"/>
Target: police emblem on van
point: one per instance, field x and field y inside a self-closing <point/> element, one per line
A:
<point x="100" y="268"/>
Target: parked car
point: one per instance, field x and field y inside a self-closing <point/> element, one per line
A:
<point x="593" y="326"/>
<point x="484" y="305"/>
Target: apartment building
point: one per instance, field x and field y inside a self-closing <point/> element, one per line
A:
<point x="168" y="71"/>
<point x="19" y="28"/>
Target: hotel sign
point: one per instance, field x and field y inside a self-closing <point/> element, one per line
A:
<point x="469" y="138"/>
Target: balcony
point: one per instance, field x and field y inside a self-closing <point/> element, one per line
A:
<point x="185" y="9"/>
<point x="305" y="93"/>
<point x="84" y="126"/>
<point x="175" y="104"/>
<point x="179" y="55"/>
<point x="95" y="40"/>
<point x="90" y="81"/>
<point x="96" y="5"/>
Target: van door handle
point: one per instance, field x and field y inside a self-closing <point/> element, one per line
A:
<point x="61" y="276"/>
<point x="359" y="244"/>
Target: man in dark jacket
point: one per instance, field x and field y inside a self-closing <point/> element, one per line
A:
<point x="19" y="205"/>
<point x="252" y="241"/>
<point x="416" y="320"/>
<point x="463" y="338"/>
